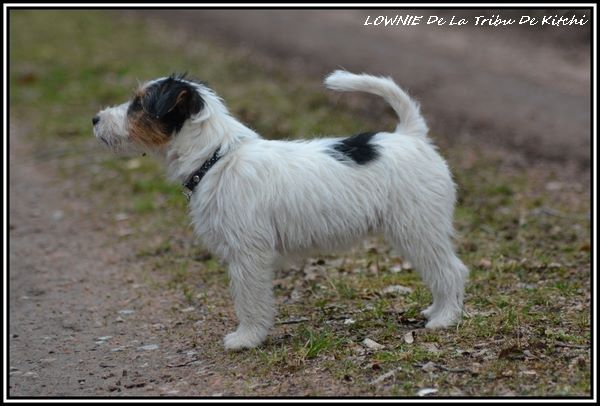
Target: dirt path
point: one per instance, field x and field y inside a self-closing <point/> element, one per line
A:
<point x="523" y="88"/>
<point x="83" y="321"/>
<point x="64" y="286"/>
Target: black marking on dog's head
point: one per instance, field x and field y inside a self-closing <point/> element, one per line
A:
<point x="171" y="101"/>
<point x="160" y="109"/>
<point x="357" y="148"/>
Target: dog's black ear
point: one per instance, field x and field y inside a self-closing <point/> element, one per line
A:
<point x="173" y="99"/>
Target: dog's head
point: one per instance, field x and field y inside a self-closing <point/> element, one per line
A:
<point x="157" y="112"/>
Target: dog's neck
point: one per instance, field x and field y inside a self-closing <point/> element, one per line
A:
<point x="197" y="143"/>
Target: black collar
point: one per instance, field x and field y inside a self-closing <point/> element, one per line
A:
<point x="194" y="179"/>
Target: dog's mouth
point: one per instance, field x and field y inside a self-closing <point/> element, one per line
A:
<point x="104" y="140"/>
<point x="101" y="138"/>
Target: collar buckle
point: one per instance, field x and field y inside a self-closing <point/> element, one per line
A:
<point x="194" y="179"/>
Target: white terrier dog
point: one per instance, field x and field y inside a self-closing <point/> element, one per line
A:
<point x="256" y="202"/>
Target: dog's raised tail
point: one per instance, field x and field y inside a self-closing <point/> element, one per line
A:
<point x="411" y="120"/>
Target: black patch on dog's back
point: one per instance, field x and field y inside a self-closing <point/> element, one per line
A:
<point x="357" y="148"/>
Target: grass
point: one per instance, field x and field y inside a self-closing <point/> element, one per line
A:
<point x="523" y="231"/>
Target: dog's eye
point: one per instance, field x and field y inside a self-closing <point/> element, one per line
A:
<point x="136" y="104"/>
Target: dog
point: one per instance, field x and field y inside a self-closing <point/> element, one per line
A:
<point x="255" y="203"/>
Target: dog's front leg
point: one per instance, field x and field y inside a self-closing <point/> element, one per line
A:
<point x="251" y="287"/>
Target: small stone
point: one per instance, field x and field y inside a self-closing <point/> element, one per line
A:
<point x="133" y="164"/>
<point x="385" y="376"/>
<point x="126" y="311"/>
<point x="426" y="391"/>
<point x="429" y="367"/>
<point x="349" y="321"/>
<point x="188" y="309"/>
<point x="30" y="374"/>
<point x="47" y="361"/>
<point x="149" y="347"/>
<point x="367" y="342"/>
<point x="397" y="290"/>
<point x="337" y="263"/>
<point x="57" y="215"/>
<point x="485" y="263"/>
<point x="121" y="216"/>
<point x="104" y="338"/>
<point x="295" y="295"/>
<point x="553" y="186"/>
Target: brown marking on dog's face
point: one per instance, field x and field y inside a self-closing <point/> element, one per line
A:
<point x="158" y="111"/>
<point x="145" y="129"/>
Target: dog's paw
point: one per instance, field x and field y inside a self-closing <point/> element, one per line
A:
<point x="240" y="339"/>
<point x="428" y="312"/>
<point x="443" y="319"/>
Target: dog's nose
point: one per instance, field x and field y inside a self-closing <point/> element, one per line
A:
<point x="95" y="120"/>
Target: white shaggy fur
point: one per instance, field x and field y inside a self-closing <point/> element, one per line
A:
<point x="265" y="201"/>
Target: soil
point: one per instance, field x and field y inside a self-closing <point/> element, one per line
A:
<point x="83" y="321"/>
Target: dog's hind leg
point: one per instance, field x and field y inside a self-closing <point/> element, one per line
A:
<point x="251" y="286"/>
<point x="432" y="255"/>
<point x="445" y="278"/>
